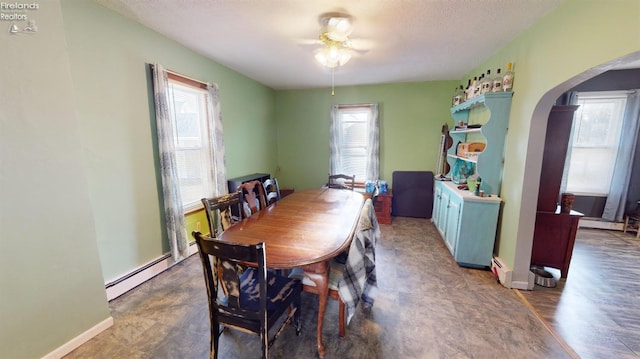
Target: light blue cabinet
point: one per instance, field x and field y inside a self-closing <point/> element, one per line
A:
<point x="446" y="212"/>
<point x="468" y="223"/>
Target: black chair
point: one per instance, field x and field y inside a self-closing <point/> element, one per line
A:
<point x="271" y="190"/>
<point x="341" y="181"/>
<point x="256" y="299"/>
<point x="218" y="210"/>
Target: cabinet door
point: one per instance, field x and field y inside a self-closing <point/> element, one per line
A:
<point x="444" y="212"/>
<point x="437" y="203"/>
<point x="477" y="233"/>
<point x="452" y="222"/>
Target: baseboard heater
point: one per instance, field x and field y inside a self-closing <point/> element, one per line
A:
<point x="141" y="274"/>
<point x="137" y="271"/>
<point x="501" y="271"/>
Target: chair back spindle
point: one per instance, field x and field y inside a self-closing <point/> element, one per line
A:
<point x="218" y="211"/>
<point x="271" y="190"/>
<point x="341" y="181"/>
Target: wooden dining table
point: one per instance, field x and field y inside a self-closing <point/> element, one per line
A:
<point x="304" y="229"/>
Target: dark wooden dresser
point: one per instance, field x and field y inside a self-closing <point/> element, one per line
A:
<point x="553" y="239"/>
<point x="382" y="206"/>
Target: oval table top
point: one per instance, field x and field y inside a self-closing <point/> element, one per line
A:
<point x="302" y="228"/>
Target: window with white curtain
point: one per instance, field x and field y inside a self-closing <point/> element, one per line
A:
<point x="595" y="137"/>
<point x="354" y="142"/>
<point x="189" y="116"/>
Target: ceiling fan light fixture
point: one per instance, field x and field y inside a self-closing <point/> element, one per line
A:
<point x="332" y="56"/>
<point x="335" y="32"/>
<point x="338" y="28"/>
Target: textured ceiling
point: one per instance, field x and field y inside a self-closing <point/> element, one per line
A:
<point x="271" y="41"/>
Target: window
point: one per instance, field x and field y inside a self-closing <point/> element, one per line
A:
<point x="190" y="119"/>
<point x="355" y="141"/>
<point x="595" y="137"/>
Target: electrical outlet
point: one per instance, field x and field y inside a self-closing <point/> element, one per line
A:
<point x="198" y="226"/>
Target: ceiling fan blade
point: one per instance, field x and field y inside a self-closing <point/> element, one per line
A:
<point x="309" y="42"/>
<point x="360" y="44"/>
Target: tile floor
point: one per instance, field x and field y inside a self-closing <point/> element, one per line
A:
<point x="427" y="307"/>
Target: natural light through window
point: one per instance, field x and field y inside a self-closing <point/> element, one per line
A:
<point x="353" y="141"/>
<point x="193" y="155"/>
<point x="595" y="137"/>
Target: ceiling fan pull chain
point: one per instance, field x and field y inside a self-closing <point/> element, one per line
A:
<point x="332" y="81"/>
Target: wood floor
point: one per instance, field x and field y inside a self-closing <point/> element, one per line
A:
<point x="427" y="307"/>
<point x="596" y="309"/>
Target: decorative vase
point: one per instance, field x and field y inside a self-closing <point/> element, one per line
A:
<point x="566" y="202"/>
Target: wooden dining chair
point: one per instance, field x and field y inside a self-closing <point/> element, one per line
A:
<point x="252" y="198"/>
<point x="256" y="299"/>
<point x="336" y="270"/>
<point x="341" y="181"/>
<point x="218" y="211"/>
<point x="338" y="267"/>
<point x="271" y="190"/>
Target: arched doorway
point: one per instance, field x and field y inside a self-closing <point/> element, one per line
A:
<point x="533" y="161"/>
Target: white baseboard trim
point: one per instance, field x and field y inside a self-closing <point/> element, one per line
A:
<point x="524" y="285"/>
<point x="119" y="287"/>
<point x="600" y="224"/>
<point x="69" y="346"/>
<point x="134" y="278"/>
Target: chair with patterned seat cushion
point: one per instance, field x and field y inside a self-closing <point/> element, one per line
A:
<point x="256" y="298"/>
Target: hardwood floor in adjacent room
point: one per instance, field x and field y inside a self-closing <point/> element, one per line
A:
<point x="596" y="309"/>
<point x="427" y="307"/>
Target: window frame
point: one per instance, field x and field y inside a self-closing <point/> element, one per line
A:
<point x="205" y="147"/>
<point x="612" y="143"/>
<point x="344" y="114"/>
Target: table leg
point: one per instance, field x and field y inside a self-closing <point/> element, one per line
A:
<point x="319" y="274"/>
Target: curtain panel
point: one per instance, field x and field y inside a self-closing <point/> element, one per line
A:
<point x="373" y="155"/>
<point x="216" y="133"/>
<point x="174" y="215"/>
<point x="614" y="208"/>
<point x="334" y="141"/>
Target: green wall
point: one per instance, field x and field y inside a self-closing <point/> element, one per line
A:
<point x="411" y="118"/>
<point x="559" y="51"/>
<point x="51" y="286"/>
<point x="77" y="146"/>
<point x="108" y="58"/>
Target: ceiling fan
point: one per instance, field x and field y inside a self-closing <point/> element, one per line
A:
<point x="337" y="46"/>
